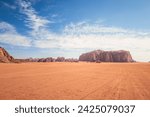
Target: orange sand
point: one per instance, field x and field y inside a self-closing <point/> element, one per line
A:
<point x="75" y="81"/>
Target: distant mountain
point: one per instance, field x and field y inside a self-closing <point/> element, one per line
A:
<point x="5" y="57"/>
<point x="93" y="56"/>
<point x="49" y="59"/>
<point x="107" y="56"/>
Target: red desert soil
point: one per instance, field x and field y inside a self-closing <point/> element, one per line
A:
<point x="75" y="81"/>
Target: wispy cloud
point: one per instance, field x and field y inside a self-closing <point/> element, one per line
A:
<point x="6" y="27"/>
<point x="8" y="5"/>
<point x="85" y="35"/>
<point x="95" y="28"/>
<point x="37" y="23"/>
<point x="9" y="35"/>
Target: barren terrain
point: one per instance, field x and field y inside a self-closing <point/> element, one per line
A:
<point x="75" y="80"/>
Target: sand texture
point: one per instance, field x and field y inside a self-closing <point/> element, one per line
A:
<point x="75" y="80"/>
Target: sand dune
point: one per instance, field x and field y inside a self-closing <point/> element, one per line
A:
<point x="75" y="80"/>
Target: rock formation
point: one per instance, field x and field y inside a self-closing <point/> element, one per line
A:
<point x="107" y="56"/>
<point x="49" y="59"/>
<point x="93" y="56"/>
<point x="5" y="57"/>
<point x="71" y="60"/>
<point x="60" y="59"/>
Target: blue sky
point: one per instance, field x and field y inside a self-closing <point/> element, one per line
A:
<point x="43" y="28"/>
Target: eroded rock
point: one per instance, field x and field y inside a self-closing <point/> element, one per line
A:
<point x="107" y="56"/>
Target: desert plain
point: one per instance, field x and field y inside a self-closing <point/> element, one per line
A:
<point x="75" y="81"/>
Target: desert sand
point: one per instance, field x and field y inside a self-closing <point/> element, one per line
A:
<point x="81" y="80"/>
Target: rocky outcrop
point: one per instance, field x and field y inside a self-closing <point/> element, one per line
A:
<point x="49" y="59"/>
<point x="5" y="57"/>
<point x="60" y="59"/>
<point x="107" y="56"/>
<point x="71" y="60"/>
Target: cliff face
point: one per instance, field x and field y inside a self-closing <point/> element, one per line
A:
<point x="5" y="57"/>
<point x="106" y="56"/>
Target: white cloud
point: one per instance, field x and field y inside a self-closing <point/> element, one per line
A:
<point x="6" y="27"/>
<point x="9" y="35"/>
<point x="85" y="35"/>
<point x="85" y="28"/>
<point x="37" y="23"/>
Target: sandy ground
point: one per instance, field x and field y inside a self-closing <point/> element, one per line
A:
<point x="75" y="81"/>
